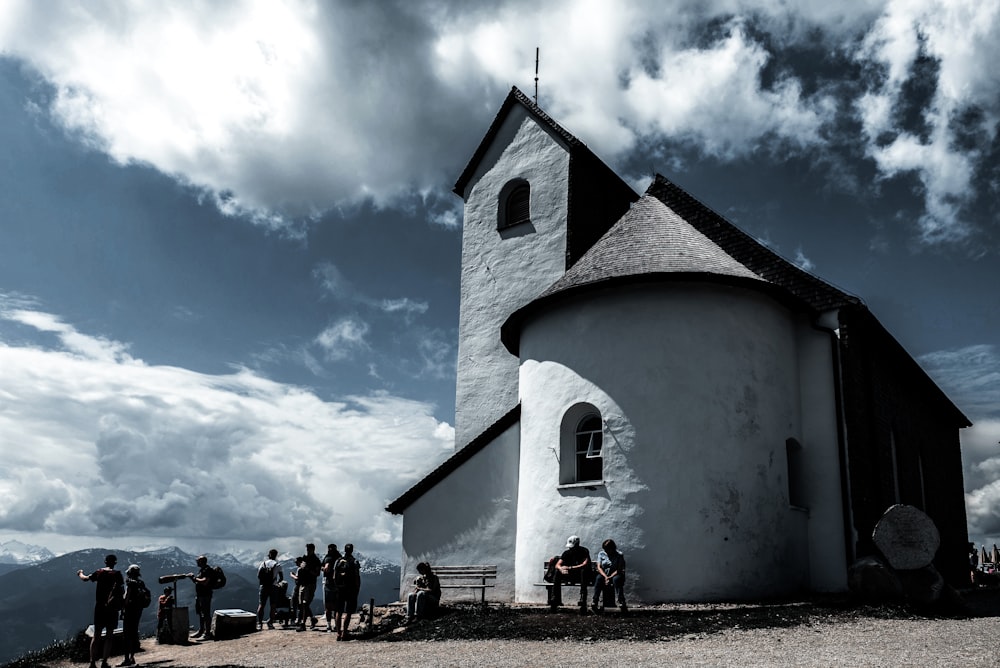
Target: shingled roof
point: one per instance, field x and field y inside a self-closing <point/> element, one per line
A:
<point x="656" y="241"/>
<point x="819" y="295"/>
<point x="650" y="239"/>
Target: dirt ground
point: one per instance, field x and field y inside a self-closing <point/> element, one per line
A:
<point x="825" y="631"/>
<point x="665" y="622"/>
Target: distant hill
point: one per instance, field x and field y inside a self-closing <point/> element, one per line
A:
<point x="46" y="602"/>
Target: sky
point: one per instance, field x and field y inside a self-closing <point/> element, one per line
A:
<point x="230" y="253"/>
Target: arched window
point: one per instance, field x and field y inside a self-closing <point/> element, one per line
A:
<point x="581" y="448"/>
<point x="589" y="454"/>
<point x="515" y="204"/>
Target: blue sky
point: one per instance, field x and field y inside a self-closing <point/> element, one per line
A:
<point x="230" y="252"/>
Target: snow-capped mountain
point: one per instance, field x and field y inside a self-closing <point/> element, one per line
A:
<point x="22" y="554"/>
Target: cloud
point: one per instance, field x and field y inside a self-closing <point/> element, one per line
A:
<point x="953" y="47"/>
<point x="971" y="378"/>
<point x="104" y="445"/>
<point x="279" y="111"/>
<point x="403" y="305"/>
<point x="343" y="337"/>
<point x="802" y="261"/>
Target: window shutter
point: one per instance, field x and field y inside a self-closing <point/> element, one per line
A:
<point x="519" y="206"/>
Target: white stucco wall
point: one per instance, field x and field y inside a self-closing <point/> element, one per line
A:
<point x="699" y="386"/>
<point x="468" y="518"/>
<point x="827" y="551"/>
<point x="503" y="271"/>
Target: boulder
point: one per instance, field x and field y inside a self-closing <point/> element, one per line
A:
<point x="922" y="585"/>
<point x="906" y="537"/>
<point x="873" y="579"/>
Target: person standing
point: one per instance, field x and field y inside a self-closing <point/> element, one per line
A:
<point x="137" y="599"/>
<point x="268" y="576"/>
<point x="203" y="597"/>
<point x="347" y="580"/>
<point x="295" y="590"/>
<point x="109" y="599"/>
<point x="308" y="574"/>
<point x="426" y="594"/>
<point x="329" y="590"/>
<point x="610" y="579"/>
<point x="573" y="567"/>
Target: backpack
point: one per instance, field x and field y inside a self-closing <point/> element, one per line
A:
<point x="344" y="572"/>
<point x="218" y="577"/>
<point x="265" y="575"/>
<point x="340" y="573"/>
<point x="145" y="596"/>
<point x="116" y="597"/>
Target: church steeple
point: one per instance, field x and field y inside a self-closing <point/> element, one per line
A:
<point x="536" y="198"/>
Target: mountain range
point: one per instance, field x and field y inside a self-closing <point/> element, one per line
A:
<point x="15" y="554"/>
<point x="43" y="601"/>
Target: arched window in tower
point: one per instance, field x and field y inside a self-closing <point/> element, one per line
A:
<point x="515" y="204"/>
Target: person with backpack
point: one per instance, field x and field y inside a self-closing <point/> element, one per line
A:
<point x="110" y="598"/>
<point x="268" y="576"/>
<point x="329" y="591"/>
<point x="204" y="585"/>
<point x="137" y="599"/>
<point x="347" y="584"/>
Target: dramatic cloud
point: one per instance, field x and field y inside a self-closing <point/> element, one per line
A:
<point x="107" y="446"/>
<point x="936" y="86"/>
<point x="282" y="110"/>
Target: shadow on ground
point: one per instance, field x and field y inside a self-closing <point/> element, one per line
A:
<point x="476" y="622"/>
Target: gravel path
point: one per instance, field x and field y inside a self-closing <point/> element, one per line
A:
<point x="861" y="642"/>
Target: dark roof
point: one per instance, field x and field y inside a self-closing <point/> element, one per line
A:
<point x="669" y="235"/>
<point x="818" y="294"/>
<point x="514" y="97"/>
<point x="649" y="239"/>
<point x="449" y="465"/>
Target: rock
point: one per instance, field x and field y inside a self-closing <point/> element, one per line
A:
<point x="906" y="537"/>
<point x="871" y="578"/>
<point x="923" y="585"/>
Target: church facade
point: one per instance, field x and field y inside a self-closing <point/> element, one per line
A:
<point x="638" y="368"/>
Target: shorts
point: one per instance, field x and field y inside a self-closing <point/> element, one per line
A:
<point x="104" y="619"/>
<point x="346" y="601"/>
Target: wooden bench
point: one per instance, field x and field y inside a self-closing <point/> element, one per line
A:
<point x="466" y="577"/>
<point x="590" y="575"/>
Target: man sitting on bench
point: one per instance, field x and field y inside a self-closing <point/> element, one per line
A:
<point x="572" y="568"/>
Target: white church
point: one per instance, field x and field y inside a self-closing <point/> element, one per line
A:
<point x="638" y="368"/>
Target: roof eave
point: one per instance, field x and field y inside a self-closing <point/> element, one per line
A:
<point x="449" y="465"/>
<point x="514" y="97"/>
<point x="510" y="331"/>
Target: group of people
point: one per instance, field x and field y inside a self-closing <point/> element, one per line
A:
<point x="575" y="567"/>
<point x="127" y="596"/>
<point x="116" y="595"/>
<point x="341" y="575"/>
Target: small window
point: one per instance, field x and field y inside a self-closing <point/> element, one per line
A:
<point x="589" y="455"/>
<point x="515" y="204"/>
